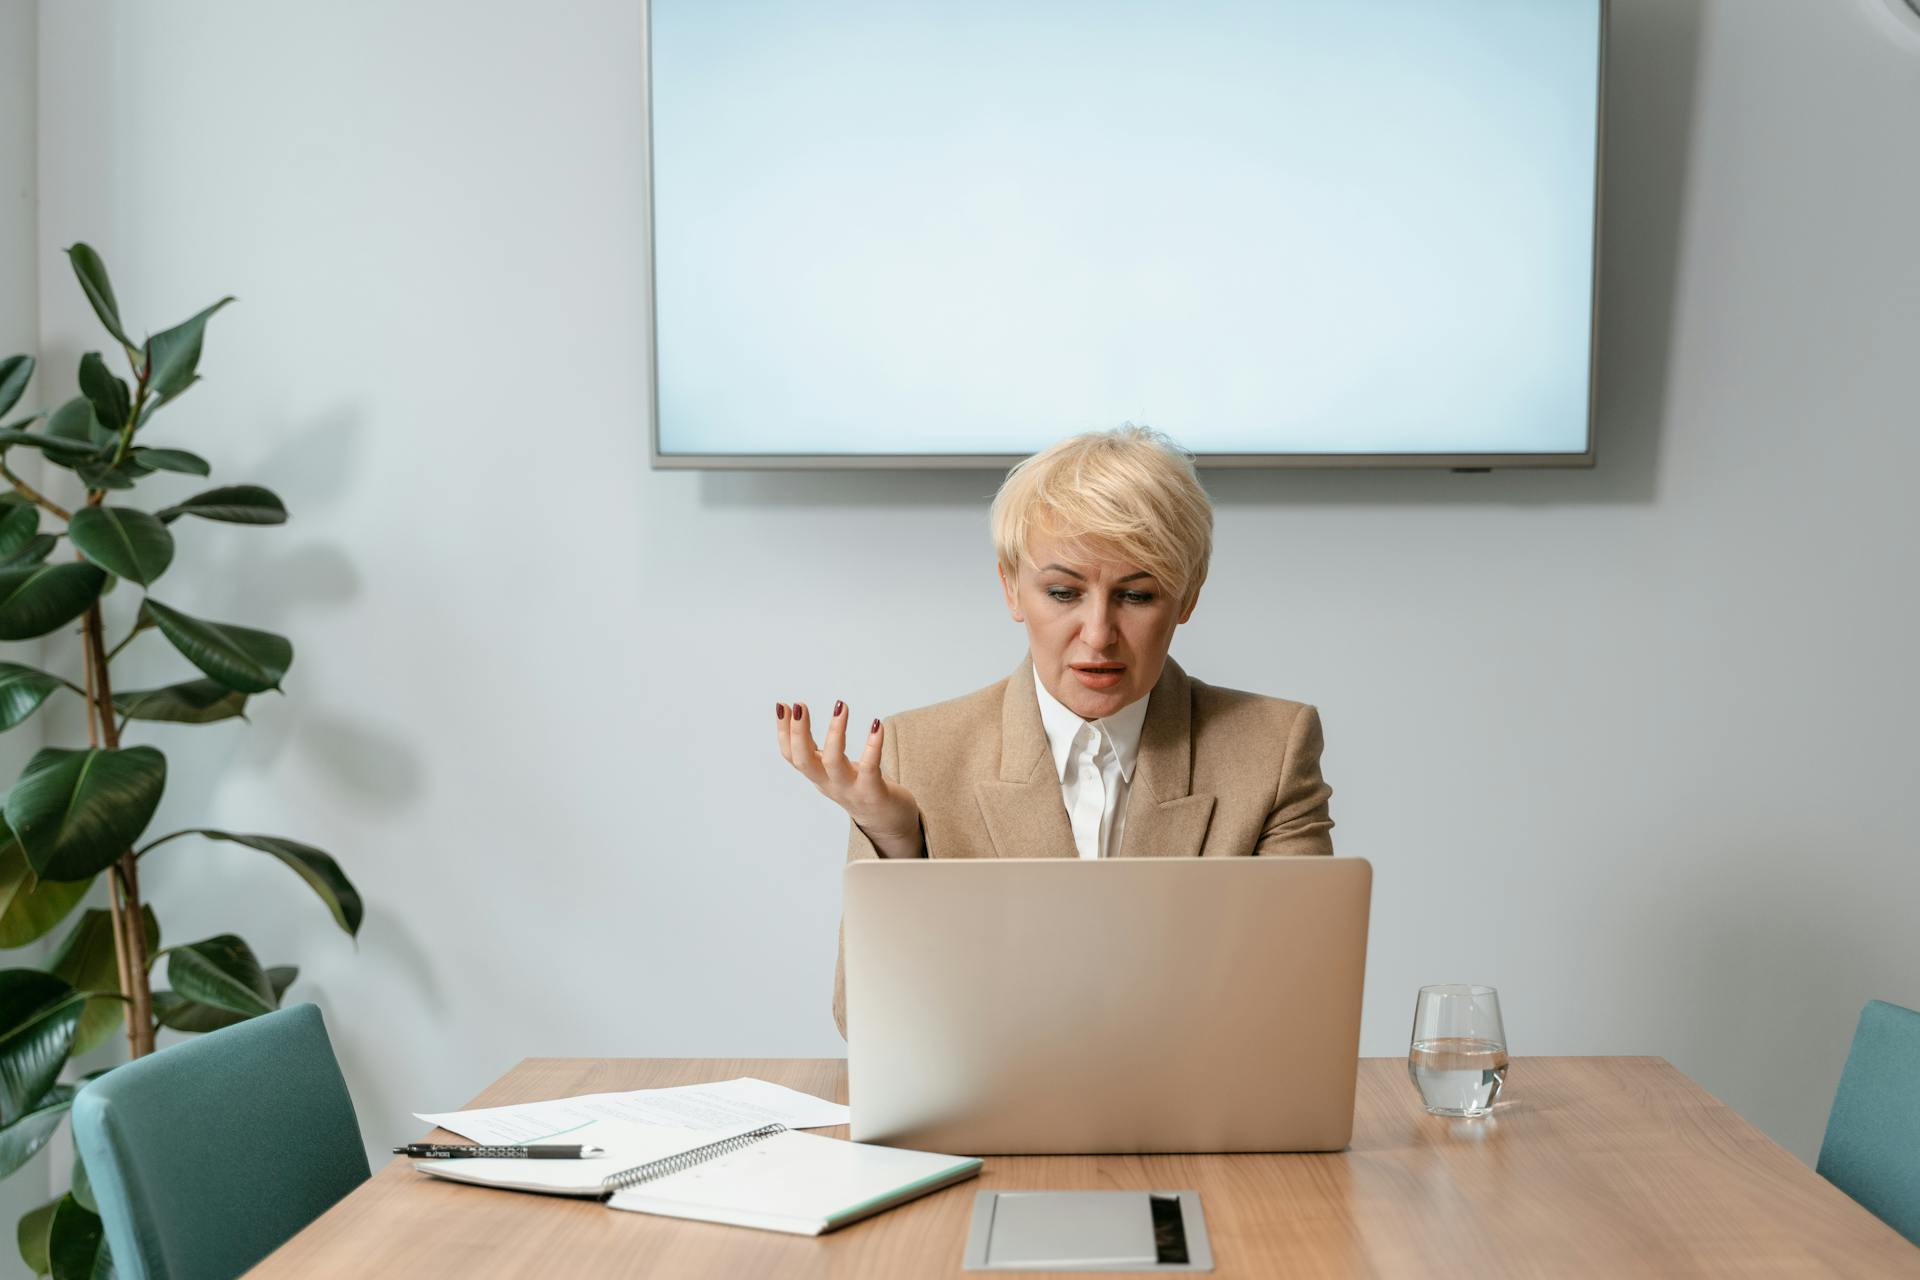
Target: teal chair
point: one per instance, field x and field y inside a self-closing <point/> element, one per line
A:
<point x="206" y="1156"/>
<point x="1872" y="1147"/>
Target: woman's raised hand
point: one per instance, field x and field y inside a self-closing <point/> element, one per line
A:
<point x="885" y="811"/>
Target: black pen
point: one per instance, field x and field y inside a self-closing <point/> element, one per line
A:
<point x="437" y="1151"/>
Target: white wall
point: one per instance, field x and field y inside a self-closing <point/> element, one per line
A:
<point x="19" y="299"/>
<point x="1633" y="744"/>
<point x="19" y="334"/>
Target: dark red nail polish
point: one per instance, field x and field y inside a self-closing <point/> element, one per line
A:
<point x="838" y="707"/>
<point x="799" y="710"/>
<point x="779" y="711"/>
<point x="875" y="729"/>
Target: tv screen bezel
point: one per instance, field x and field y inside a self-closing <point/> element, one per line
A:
<point x="1584" y="458"/>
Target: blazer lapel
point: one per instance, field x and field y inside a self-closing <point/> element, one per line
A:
<point x="1164" y="818"/>
<point x="1025" y="814"/>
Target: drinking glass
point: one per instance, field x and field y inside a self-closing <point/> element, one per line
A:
<point x="1459" y="1056"/>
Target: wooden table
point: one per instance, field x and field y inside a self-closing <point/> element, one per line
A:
<point x="1589" y="1167"/>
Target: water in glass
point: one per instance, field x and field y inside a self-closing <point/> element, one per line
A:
<point x="1458" y="1076"/>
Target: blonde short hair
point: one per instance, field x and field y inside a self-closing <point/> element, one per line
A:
<point x="1130" y="493"/>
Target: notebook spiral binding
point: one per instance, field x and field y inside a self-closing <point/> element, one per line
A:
<point x="685" y="1160"/>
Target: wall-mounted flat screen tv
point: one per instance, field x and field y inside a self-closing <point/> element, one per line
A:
<point x="1285" y="232"/>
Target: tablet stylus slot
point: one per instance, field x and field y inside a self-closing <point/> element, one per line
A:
<point x="1169" y="1229"/>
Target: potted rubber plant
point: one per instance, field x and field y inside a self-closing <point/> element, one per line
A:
<point x="76" y="819"/>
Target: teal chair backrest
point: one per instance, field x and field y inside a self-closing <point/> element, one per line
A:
<point x="1872" y="1147"/>
<point x="206" y="1156"/>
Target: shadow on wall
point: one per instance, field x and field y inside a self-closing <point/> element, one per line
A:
<point x="390" y="945"/>
<point x="1652" y="63"/>
<point x="280" y="580"/>
<point x="284" y="580"/>
<point x="1769" y="988"/>
<point x="272" y="579"/>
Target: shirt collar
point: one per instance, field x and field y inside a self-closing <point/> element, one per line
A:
<point x="1062" y="725"/>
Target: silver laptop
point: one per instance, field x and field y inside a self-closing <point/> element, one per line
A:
<point x="1137" y="1004"/>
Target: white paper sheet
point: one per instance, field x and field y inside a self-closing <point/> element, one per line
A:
<point x="724" y="1104"/>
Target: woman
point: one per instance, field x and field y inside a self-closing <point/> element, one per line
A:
<point x="1098" y="745"/>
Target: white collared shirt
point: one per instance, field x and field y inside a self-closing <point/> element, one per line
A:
<point x="1095" y="760"/>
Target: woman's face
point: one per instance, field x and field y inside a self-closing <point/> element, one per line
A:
<point x="1098" y="629"/>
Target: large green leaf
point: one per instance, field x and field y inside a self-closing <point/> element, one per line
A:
<point x="77" y="1243"/>
<point x="316" y="867"/>
<point x="99" y="475"/>
<point x="233" y="503"/>
<point x="238" y="657"/>
<point x="189" y="702"/>
<point x="82" y="1188"/>
<point x="22" y="690"/>
<point x="181" y="1014"/>
<point x="123" y="541"/>
<point x="75" y="812"/>
<point x="88" y="960"/>
<point x="36" y="599"/>
<point x="32" y="1235"/>
<point x="19" y="522"/>
<point x="30" y="906"/>
<point x="191" y="464"/>
<point x="15" y="373"/>
<point x="221" y="971"/>
<point x="112" y="403"/>
<point x="74" y="426"/>
<point x="37" y="549"/>
<point x="25" y="1136"/>
<point x="99" y="290"/>
<point x="38" y="1015"/>
<point x="65" y="452"/>
<point x="173" y="354"/>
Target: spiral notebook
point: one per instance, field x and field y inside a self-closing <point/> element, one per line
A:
<point x="771" y="1177"/>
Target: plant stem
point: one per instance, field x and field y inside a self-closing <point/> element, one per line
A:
<point x="115" y="651"/>
<point x="151" y="845"/>
<point x="130" y="931"/>
<point x="93" y="704"/>
<point x="33" y="495"/>
<point x="120" y="956"/>
<point x="126" y="877"/>
<point x="123" y="879"/>
<point x="141" y="372"/>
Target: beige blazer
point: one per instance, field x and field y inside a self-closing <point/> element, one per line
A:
<point x="1220" y="774"/>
